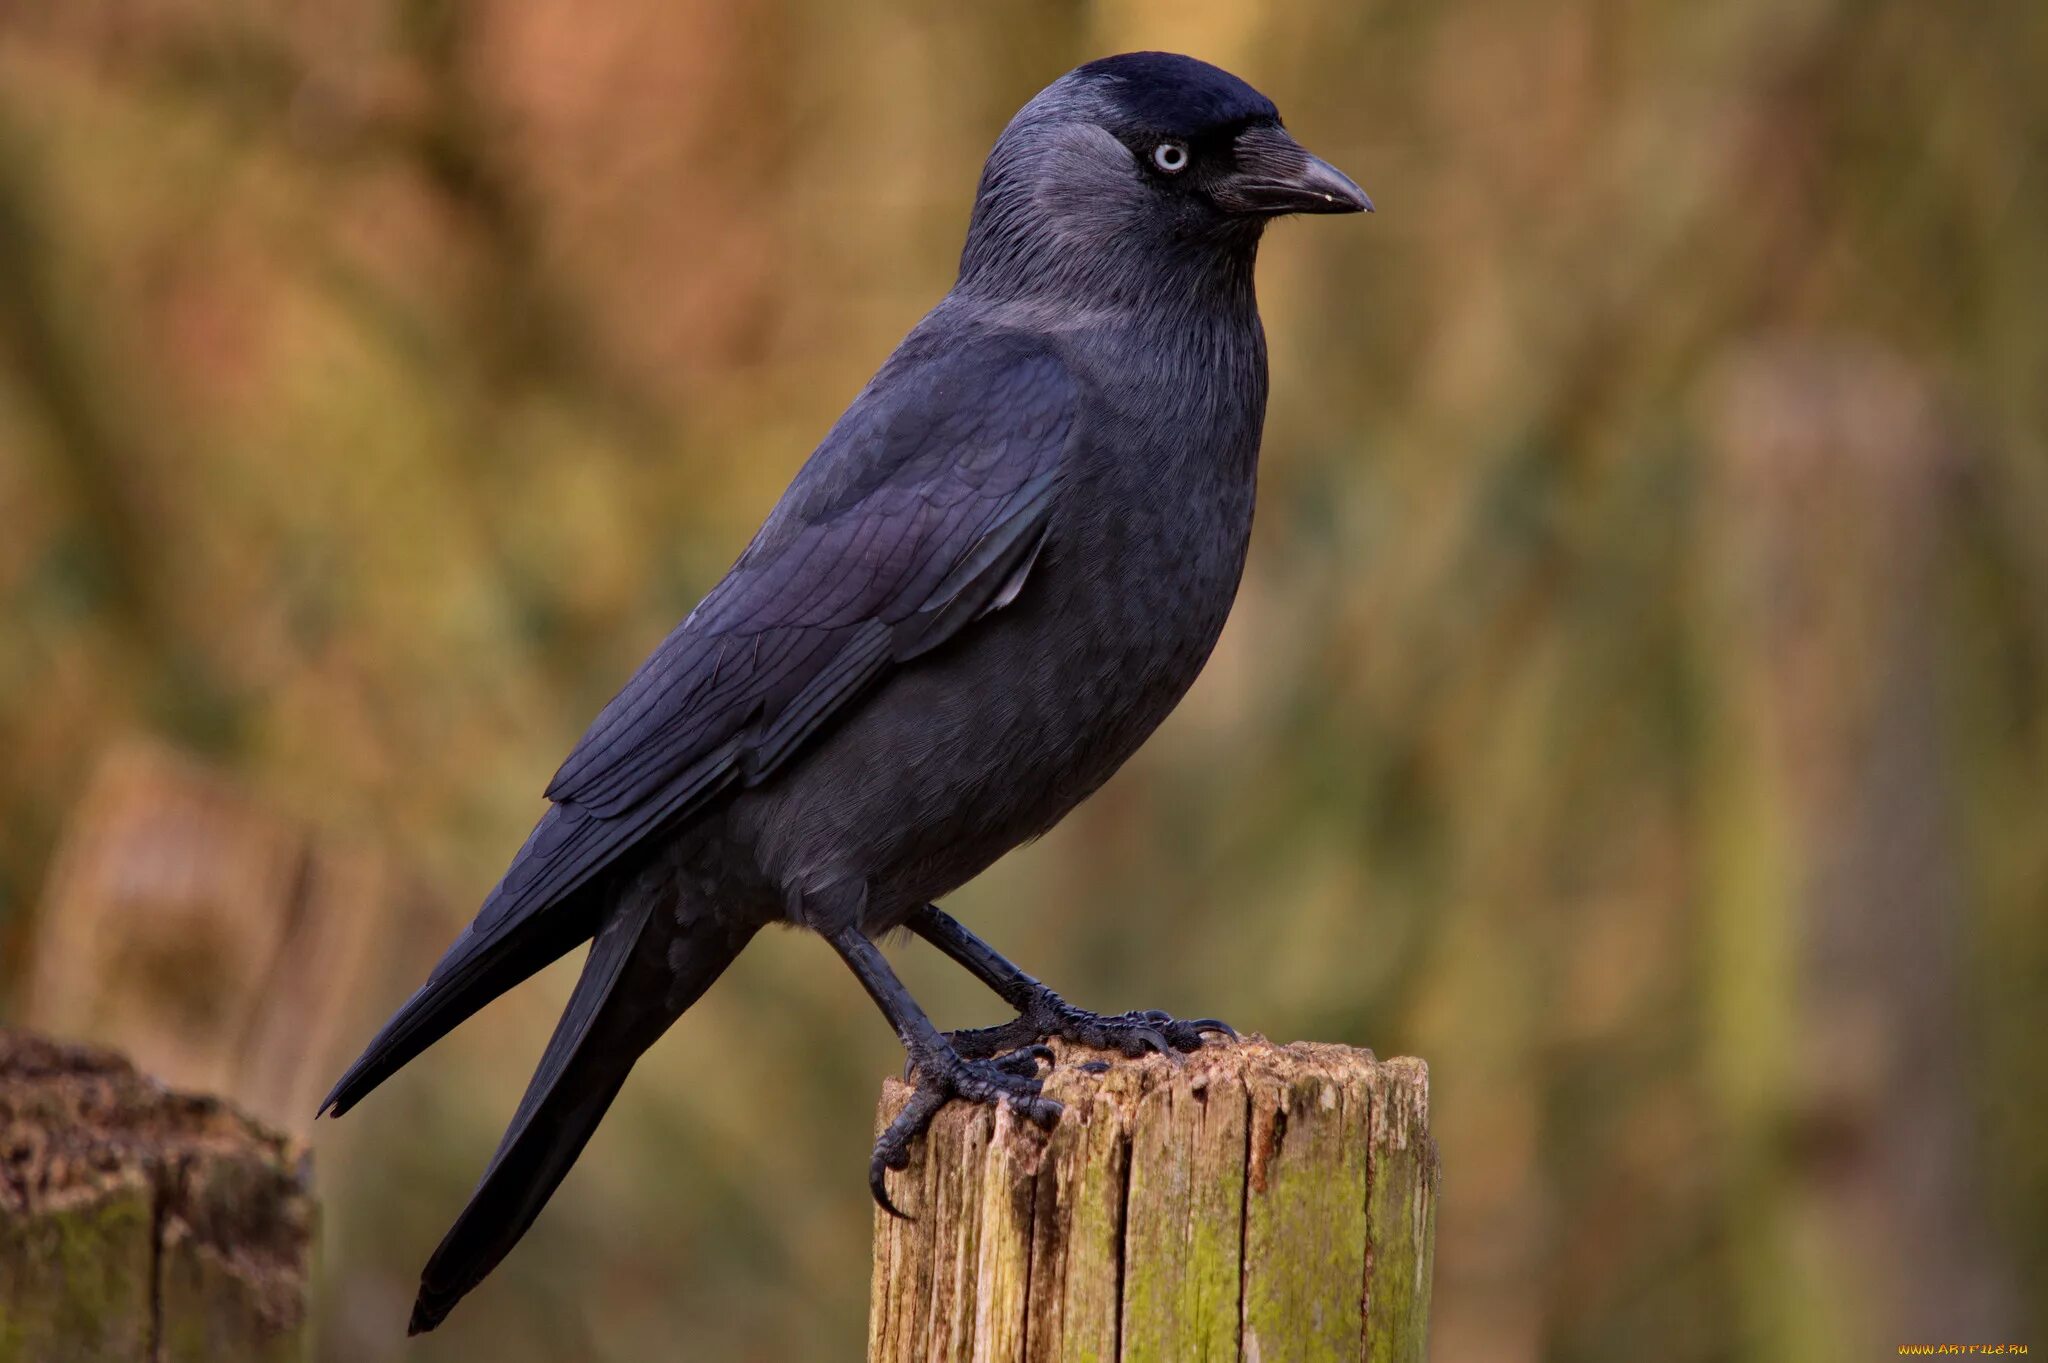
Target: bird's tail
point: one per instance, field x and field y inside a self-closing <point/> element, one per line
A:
<point x="519" y="930"/>
<point x="471" y="975"/>
<point x="642" y="972"/>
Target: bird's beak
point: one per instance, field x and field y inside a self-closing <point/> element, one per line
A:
<point x="1276" y="174"/>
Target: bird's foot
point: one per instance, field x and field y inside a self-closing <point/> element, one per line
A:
<point x="1136" y="1033"/>
<point x="1131" y="1034"/>
<point x="989" y="1078"/>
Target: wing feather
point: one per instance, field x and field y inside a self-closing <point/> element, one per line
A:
<point x="924" y="507"/>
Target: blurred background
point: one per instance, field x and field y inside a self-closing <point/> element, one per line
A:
<point x="1634" y="705"/>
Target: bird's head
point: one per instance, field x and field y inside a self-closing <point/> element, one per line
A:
<point x="1143" y="164"/>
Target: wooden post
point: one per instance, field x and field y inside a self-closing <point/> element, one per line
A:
<point x="1256" y="1202"/>
<point x="139" y="1225"/>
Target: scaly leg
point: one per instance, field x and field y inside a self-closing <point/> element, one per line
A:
<point x="1042" y="1014"/>
<point x="940" y="1072"/>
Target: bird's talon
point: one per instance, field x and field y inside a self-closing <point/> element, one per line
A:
<point x="1011" y="1079"/>
<point x="1141" y="1040"/>
<point x="878" y="1184"/>
<point x="1024" y="1061"/>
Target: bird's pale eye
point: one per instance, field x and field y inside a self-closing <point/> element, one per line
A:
<point x="1171" y="157"/>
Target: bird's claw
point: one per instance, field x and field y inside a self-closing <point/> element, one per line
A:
<point x="1024" y="1060"/>
<point x="1012" y="1079"/>
<point x="1132" y="1034"/>
<point x="1135" y="1033"/>
<point x="1000" y="1064"/>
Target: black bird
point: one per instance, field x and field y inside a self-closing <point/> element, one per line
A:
<point x="993" y="579"/>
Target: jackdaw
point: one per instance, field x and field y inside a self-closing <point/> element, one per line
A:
<point x="995" y="576"/>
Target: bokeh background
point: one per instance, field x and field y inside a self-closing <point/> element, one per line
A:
<point x="1634" y="705"/>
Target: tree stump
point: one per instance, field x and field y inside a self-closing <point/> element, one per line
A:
<point x="138" y="1225"/>
<point x="1252" y="1201"/>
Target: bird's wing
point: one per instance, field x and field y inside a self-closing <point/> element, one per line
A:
<point x="923" y="509"/>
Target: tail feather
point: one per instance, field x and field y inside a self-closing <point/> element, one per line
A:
<point x="549" y="900"/>
<point x="642" y="973"/>
<point x="470" y="974"/>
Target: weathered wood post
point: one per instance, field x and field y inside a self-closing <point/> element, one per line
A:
<point x="1256" y="1202"/>
<point x="138" y="1225"/>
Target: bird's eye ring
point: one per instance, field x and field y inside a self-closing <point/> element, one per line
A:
<point x="1171" y="157"/>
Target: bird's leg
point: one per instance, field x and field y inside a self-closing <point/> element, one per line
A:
<point x="1042" y="1014"/>
<point x="939" y="1072"/>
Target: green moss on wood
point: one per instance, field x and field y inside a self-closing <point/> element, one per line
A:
<point x="139" y="1225"/>
<point x="1305" y="1212"/>
<point x="75" y="1282"/>
<point x="1401" y="1215"/>
<point x="1183" y="1226"/>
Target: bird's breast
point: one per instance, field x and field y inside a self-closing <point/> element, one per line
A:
<point x="1146" y="566"/>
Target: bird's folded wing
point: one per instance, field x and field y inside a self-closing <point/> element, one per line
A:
<point x="924" y="509"/>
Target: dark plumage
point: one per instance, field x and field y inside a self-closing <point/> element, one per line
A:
<point x="999" y="571"/>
